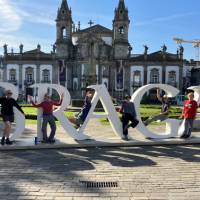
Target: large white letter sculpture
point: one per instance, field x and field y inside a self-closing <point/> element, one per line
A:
<point x="58" y="113"/>
<point x="172" y="125"/>
<point x="101" y="93"/>
<point x="19" y="117"/>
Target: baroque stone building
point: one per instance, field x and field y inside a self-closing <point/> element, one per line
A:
<point x="94" y="55"/>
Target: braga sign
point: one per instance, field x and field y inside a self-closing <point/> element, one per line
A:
<point x="101" y="93"/>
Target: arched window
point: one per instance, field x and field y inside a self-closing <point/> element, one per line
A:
<point x="65" y="33"/>
<point x="12" y="75"/>
<point x="46" y="76"/>
<point x="121" y="30"/>
<point x="154" y="76"/>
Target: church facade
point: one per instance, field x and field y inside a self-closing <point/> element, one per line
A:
<point x="94" y="55"/>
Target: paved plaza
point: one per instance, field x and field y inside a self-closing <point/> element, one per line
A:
<point x="139" y="172"/>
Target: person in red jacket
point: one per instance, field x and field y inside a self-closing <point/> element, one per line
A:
<point x="189" y="114"/>
<point x="47" y="107"/>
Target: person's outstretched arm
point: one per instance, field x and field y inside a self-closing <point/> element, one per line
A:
<point x="18" y="107"/>
<point x="33" y="103"/>
<point x="158" y="95"/>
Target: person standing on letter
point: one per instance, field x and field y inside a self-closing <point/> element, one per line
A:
<point x="47" y="107"/>
<point x="7" y="104"/>
<point x="189" y="114"/>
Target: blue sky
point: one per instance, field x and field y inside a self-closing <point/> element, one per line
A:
<point x="153" y="22"/>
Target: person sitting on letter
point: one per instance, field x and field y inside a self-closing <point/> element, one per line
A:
<point x="128" y="114"/>
<point x="164" y="111"/>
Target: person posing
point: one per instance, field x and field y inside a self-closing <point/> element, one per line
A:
<point x="128" y="114"/>
<point x="81" y="116"/>
<point x="7" y="104"/>
<point x="164" y="110"/>
<point x="188" y="115"/>
<point x="47" y="107"/>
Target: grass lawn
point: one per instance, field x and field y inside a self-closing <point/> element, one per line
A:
<point x="145" y="111"/>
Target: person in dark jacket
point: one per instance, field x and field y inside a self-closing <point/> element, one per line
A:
<point x="7" y="104"/>
<point x="128" y="114"/>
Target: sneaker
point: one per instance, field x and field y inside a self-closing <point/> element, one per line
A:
<point x="3" y="140"/>
<point x="8" y="142"/>
<point x="125" y="137"/>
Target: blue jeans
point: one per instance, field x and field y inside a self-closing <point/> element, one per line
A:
<point x="51" y="120"/>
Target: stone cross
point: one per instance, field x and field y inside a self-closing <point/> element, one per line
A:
<point x="90" y="23"/>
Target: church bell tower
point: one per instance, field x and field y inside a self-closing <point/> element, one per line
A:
<point x="64" y="31"/>
<point x="120" y="31"/>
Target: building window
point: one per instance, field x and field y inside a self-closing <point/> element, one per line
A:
<point x="154" y="76"/>
<point x="13" y="75"/>
<point x="172" y="76"/>
<point x="137" y="77"/>
<point x="46" y="76"/>
<point x="75" y="84"/>
<point x="121" y="30"/>
<point x="29" y="74"/>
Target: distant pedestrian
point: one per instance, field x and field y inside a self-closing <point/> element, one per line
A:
<point x="164" y="110"/>
<point x="47" y="107"/>
<point x="79" y="119"/>
<point x="7" y="104"/>
<point x="128" y="114"/>
<point x="189" y="114"/>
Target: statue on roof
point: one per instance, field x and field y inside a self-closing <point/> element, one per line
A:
<point x="5" y="46"/>
<point x="21" y="46"/>
<point x="54" y="48"/>
<point x="164" y="48"/>
<point x="146" y="49"/>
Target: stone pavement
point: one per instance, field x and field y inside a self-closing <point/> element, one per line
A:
<point x="164" y="172"/>
<point x="157" y="172"/>
<point x="101" y="135"/>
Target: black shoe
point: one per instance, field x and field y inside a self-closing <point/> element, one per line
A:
<point x="51" y="141"/>
<point x="8" y="142"/>
<point x="125" y="137"/>
<point x="3" y="140"/>
<point x="44" y="141"/>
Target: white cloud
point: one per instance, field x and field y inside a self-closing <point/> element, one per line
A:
<point x="10" y="20"/>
